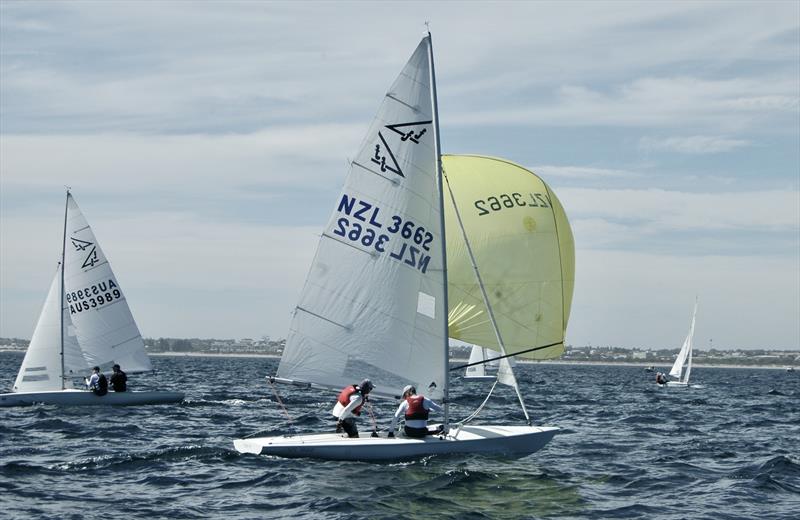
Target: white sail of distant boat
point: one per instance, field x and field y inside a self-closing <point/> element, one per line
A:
<point x="684" y="357"/>
<point x="85" y="322"/>
<point x="374" y="303"/>
<point x="481" y="361"/>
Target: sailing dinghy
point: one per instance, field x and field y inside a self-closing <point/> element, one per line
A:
<point x="684" y="358"/>
<point x="85" y="322"/>
<point x="375" y="302"/>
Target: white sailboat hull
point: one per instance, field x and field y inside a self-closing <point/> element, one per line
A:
<point x="677" y="384"/>
<point x="73" y="397"/>
<point x="480" y="378"/>
<point x="499" y="440"/>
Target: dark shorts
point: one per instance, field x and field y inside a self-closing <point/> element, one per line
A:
<point x="417" y="433"/>
<point x="349" y="426"/>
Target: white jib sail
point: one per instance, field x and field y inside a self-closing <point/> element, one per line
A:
<point x="685" y="352"/>
<point x="41" y="367"/>
<point x="373" y="302"/>
<point x="105" y="327"/>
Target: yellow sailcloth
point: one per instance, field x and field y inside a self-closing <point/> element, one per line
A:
<point x="524" y="250"/>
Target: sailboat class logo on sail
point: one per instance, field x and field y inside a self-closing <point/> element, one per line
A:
<point x="82" y="245"/>
<point x="360" y="221"/>
<point x="410" y="132"/>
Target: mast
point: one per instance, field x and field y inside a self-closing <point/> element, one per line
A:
<point x="437" y="148"/>
<point x="61" y="291"/>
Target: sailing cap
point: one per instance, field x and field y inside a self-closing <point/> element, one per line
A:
<point x="366" y="386"/>
<point x="409" y="389"/>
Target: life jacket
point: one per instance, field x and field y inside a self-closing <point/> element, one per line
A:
<point x="102" y="386"/>
<point x="344" y="397"/>
<point x="415" y="410"/>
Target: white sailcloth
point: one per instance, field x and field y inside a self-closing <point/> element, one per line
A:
<point x="685" y="353"/>
<point x="476" y="355"/>
<point x="373" y="302"/>
<point x="41" y="367"/>
<point x="97" y="306"/>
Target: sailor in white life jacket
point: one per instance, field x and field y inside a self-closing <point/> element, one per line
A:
<point x="348" y="406"/>
<point x="415" y="408"/>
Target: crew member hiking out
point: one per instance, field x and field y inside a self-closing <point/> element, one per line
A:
<point x="348" y="406"/>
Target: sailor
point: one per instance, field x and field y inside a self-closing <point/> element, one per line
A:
<point x="661" y="379"/>
<point x="119" y="380"/>
<point x="415" y="408"/>
<point x="97" y="382"/>
<point x="348" y="406"/>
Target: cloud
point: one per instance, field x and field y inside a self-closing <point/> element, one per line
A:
<point x="581" y="172"/>
<point x="696" y="145"/>
<point x="657" y="211"/>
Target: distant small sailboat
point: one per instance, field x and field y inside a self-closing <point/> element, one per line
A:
<point x="85" y="322"/>
<point x="684" y="358"/>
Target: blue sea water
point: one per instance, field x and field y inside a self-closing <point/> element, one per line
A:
<point x="628" y="449"/>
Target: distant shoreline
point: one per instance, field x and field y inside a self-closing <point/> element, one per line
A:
<point x="664" y="366"/>
<point x="464" y="360"/>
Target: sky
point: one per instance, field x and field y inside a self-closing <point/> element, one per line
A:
<point x="207" y="142"/>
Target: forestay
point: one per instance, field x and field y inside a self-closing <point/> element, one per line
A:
<point x="41" y="367"/>
<point x="97" y="306"/>
<point x="373" y="302"/>
<point x="524" y="251"/>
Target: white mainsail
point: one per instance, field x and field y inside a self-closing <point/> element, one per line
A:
<point x="41" y="368"/>
<point x="685" y="353"/>
<point x="373" y="305"/>
<point x="97" y="306"/>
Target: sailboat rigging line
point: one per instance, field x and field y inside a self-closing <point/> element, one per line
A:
<point x="347" y="327"/>
<point x="374" y="422"/>
<point x="278" y="397"/>
<point x="486" y="301"/>
<point x="476" y="412"/>
<point x="534" y="349"/>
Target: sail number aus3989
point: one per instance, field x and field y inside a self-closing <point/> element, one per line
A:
<point x="505" y="201"/>
<point x="363" y="225"/>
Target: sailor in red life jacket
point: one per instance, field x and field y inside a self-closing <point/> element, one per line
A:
<point x="415" y="409"/>
<point x="348" y="406"/>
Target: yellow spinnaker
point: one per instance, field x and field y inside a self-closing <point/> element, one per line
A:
<point x="524" y="251"/>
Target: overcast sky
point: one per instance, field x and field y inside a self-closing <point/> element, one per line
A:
<point x="206" y="144"/>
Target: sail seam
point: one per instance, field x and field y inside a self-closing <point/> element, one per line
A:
<point x="393" y="181"/>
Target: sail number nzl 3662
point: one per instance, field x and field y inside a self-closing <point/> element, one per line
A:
<point x="403" y="239"/>
<point x="514" y="200"/>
